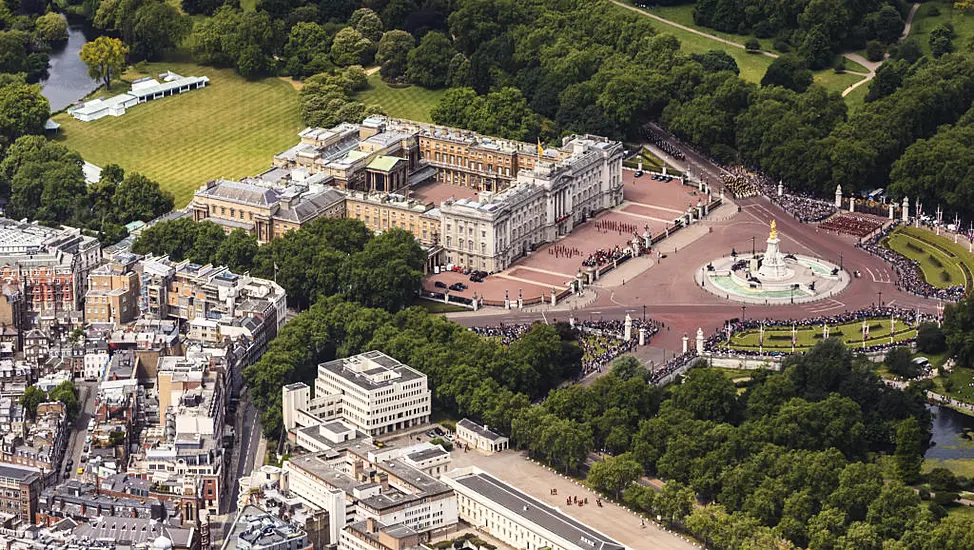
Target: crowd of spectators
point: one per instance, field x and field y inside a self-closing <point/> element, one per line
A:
<point x="717" y="341"/>
<point x="671" y="366"/>
<point x="804" y="208"/>
<point x="909" y="276"/>
<point x="852" y="224"/>
<point x="507" y="334"/>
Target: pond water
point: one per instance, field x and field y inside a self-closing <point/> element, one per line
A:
<point x="948" y="431"/>
<point x="68" y="79"/>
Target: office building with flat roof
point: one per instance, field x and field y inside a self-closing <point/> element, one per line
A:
<point x="371" y="392"/>
<point x="518" y="519"/>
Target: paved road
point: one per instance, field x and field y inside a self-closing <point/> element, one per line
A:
<point x="671" y="295"/>
<point x="87" y="391"/>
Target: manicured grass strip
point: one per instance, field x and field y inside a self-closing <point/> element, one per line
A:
<point x="230" y="129"/>
<point x="413" y="102"/>
<point x="942" y="262"/>
<point x="779" y="338"/>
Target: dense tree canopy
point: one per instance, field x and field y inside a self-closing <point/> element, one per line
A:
<point x="23" y="110"/>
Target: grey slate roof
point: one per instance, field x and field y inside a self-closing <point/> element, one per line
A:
<point x="537" y="512"/>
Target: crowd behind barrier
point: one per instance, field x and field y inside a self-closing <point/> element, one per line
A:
<point x="717" y="341"/>
<point x="596" y="360"/>
<point x="852" y="224"/>
<point x="909" y="276"/>
<point x="803" y="207"/>
<point x="672" y="366"/>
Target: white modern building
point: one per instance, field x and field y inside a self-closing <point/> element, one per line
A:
<point x="371" y="392"/>
<point x="515" y="518"/>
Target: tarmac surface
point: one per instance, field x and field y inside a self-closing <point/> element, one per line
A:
<point x="665" y="288"/>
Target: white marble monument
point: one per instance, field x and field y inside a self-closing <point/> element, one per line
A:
<point x="773" y="266"/>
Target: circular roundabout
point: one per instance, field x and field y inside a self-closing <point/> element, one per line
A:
<point x="772" y="277"/>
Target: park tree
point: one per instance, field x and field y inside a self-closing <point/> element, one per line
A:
<point x="942" y="479"/>
<point x="674" y="502"/>
<point x="614" y="474"/>
<point x="715" y="61"/>
<point x="350" y="47"/>
<point x="23" y="111"/>
<point x="899" y="361"/>
<point x="707" y="394"/>
<point x="237" y="251"/>
<point x="393" y="53"/>
<point x="958" y="327"/>
<point x="931" y="339"/>
<point x="368" y="23"/>
<point x="894" y="510"/>
<point x="888" y="24"/>
<point x="51" y="27"/>
<point x="889" y="77"/>
<point x="67" y="393"/>
<point x="31" y="398"/>
<point x="627" y="367"/>
<point x="429" y="62"/>
<point x="200" y="7"/>
<point x="44" y="180"/>
<point x="307" y="49"/>
<point x="105" y="58"/>
<point x="942" y="39"/>
<point x="788" y="72"/>
<point x="387" y="272"/>
<point x="139" y="198"/>
<point x="157" y="27"/>
<point x="181" y="239"/>
<point x="910" y="446"/>
<point x="815" y="49"/>
<point x="21" y="53"/>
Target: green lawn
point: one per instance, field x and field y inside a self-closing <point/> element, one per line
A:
<point x="650" y="162"/>
<point x="941" y="261"/>
<point x="779" y="338"/>
<point x="857" y="98"/>
<point x="835" y="82"/>
<point x="960" y="467"/>
<point x="230" y="129"/>
<point x="923" y="23"/>
<point x="960" y="381"/>
<point x="413" y="102"/>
